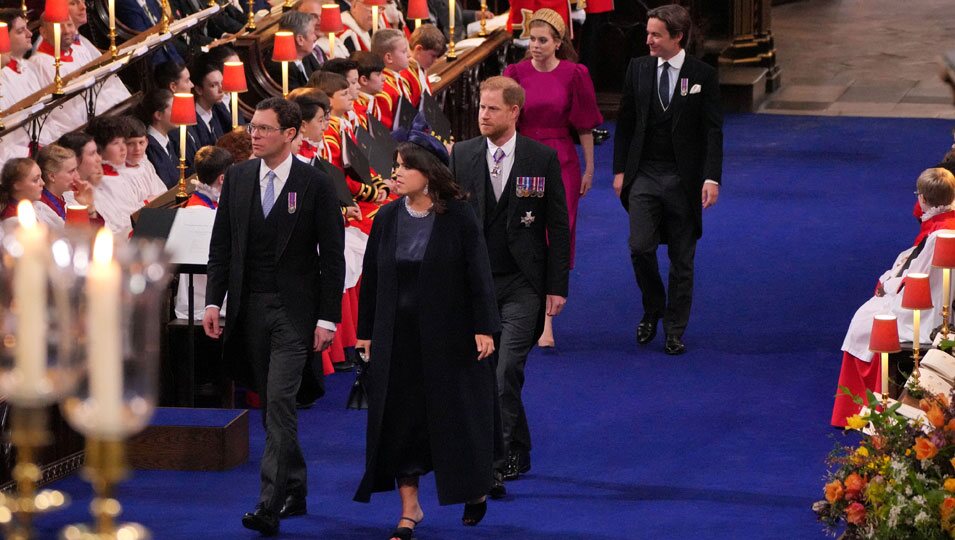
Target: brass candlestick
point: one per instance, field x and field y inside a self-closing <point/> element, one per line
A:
<point x="112" y="41"/>
<point x="212" y="3"/>
<point x="287" y="5"/>
<point x="164" y="22"/>
<point x="452" y="55"/>
<point x="57" y="80"/>
<point x="181" y="195"/>
<point x="23" y="9"/>
<point x="29" y="433"/>
<point x="250" y="23"/>
<point x="483" y="32"/>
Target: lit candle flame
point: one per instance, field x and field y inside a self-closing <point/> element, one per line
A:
<point x="103" y="247"/>
<point x="25" y="214"/>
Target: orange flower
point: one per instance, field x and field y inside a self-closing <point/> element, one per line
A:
<point x="855" y="484"/>
<point x="950" y="426"/>
<point x="949" y="485"/>
<point x="935" y="416"/>
<point x="952" y="461"/>
<point x="834" y="491"/>
<point x="878" y="442"/>
<point x="855" y="513"/>
<point x="924" y="449"/>
<point x="947" y="508"/>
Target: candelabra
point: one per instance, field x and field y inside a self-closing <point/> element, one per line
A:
<point x="250" y="23"/>
<point x="483" y="18"/>
<point x="164" y="21"/>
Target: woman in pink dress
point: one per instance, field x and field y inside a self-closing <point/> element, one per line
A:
<point x="560" y="102"/>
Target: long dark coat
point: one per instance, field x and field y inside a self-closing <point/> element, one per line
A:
<point x="456" y="299"/>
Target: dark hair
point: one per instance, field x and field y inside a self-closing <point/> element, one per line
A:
<point x="237" y="142"/>
<point x="309" y="100"/>
<point x="134" y="127"/>
<point x="8" y="15"/>
<point x="676" y="18"/>
<point x="367" y="62"/>
<point x="217" y="55"/>
<point x="565" y="51"/>
<point x="13" y="171"/>
<point x="75" y="141"/>
<point x="340" y="65"/>
<point x="200" y="67"/>
<point x="441" y="184"/>
<point x="106" y="129"/>
<point x="167" y="73"/>
<point x="327" y="82"/>
<point x="290" y="115"/>
<point x="210" y="162"/>
<point x="155" y="100"/>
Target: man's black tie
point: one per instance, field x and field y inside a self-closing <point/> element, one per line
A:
<point x="664" y="87"/>
<point x="171" y="149"/>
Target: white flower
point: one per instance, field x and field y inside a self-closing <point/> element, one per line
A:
<point x="921" y="517"/>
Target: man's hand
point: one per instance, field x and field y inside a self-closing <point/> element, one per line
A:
<point x="618" y="183"/>
<point x="554" y="304"/>
<point x="323" y="338"/>
<point x="82" y="191"/>
<point x="485" y="345"/>
<point x="711" y="192"/>
<point x="210" y="322"/>
<point x="353" y="212"/>
<point x="486" y="14"/>
<point x="366" y="345"/>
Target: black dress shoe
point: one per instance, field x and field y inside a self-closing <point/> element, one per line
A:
<point x="262" y="520"/>
<point x="294" y="506"/>
<point x="674" y="345"/>
<point x="512" y="468"/>
<point x="647" y="330"/>
<point x="498" y="491"/>
<point x="524" y="462"/>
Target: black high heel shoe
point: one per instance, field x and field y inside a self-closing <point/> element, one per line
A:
<point x="404" y="533"/>
<point x="474" y="513"/>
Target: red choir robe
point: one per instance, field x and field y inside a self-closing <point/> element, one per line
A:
<point x="387" y="100"/>
<point x="416" y="80"/>
<point x="861" y="369"/>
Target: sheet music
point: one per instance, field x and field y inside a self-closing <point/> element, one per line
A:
<point x="188" y="241"/>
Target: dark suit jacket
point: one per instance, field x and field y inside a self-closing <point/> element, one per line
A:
<point x="201" y="133"/>
<point x="166" y="165"/>
<point x="130" y="13"/>
<point x="697" y="127"/>
<point x="462" y="17"/>
<point x="310" y="285"/>
<point x="295" y="77"/>
<point x="542" y="247"/>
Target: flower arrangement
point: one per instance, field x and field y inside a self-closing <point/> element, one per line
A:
<point x="898" y="482"/>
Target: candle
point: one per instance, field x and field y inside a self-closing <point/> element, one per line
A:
<point x="331" y="44"/>
<point x="182" y="142"/>
<point x="56" y="40"/>
<point x="451" y="11"/>
<point x="885" y="376"/>
<point x="916" y="322"/>
<point x="112" y="14"/>
<point x="374" y="18"/>
<point x="29" y="294"/>
<point x="235" y="109"/>
<point x="105" y="346"/>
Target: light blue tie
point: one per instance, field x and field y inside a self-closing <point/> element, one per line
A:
<point x="268" y="200"/>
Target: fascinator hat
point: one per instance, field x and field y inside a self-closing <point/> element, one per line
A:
<point x="422" y="139"/>
<point x="550" y="17"/>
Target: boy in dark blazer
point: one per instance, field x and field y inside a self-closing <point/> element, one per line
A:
<point x="517" y="192"/>
<point x="668" y="158"/>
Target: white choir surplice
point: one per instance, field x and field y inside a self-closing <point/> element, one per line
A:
<point x="113" y="91"/>
<point x="18" y="80"/>
<point x="144" y="180"/>
<point x="71" y="114"/>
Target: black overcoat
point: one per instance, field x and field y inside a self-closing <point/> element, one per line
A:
<point x="456" y="298"/>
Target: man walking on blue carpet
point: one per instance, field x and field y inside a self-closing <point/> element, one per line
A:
<point x="277" y="249"/>
<point x="667" y="163"/>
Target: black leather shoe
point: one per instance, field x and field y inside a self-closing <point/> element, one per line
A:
<point x="262" y="520"/>
<point x="512" y="466"/>
<point x="647" y="330"/>
<point x="524" y="462"/>
<point x="674" y="345"/>
<point x="294" y="506"/>
<point x="498" y="491"/>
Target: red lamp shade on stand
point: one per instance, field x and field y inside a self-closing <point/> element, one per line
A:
<point x="331" y="24"/>
<point x="283" y="50"/>
<point x="233" y="82"/>
<point x="944" y="258"/>
<point x="884" y="339"/>
<point x="4" y="49"/>
<point x="183" y="114"/>
<point x="418" y="10"/>
<point x="56" y="11"/>
<point x="916" y="295"/>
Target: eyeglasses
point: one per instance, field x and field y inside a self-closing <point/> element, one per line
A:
<point x="264" y="130"/>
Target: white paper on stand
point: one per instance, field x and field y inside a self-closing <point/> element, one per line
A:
<point x="188" y="240"/>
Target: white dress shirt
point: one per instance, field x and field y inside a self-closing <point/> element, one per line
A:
<point x="205" y="116"/>
<point x="507" y="163"/>
<point x="161" y="138"/>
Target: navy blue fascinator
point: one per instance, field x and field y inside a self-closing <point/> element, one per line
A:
<point x="424" y="140"/>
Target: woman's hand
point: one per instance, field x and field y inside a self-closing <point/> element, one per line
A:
<point x="587" y="181"/>
<point x="485" y="345"/>
<point x="364" y="344"/>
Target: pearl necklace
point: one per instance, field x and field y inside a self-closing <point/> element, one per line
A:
<point x="417" y="213"/>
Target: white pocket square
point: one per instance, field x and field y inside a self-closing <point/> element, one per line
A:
<point x="696" y="89"/>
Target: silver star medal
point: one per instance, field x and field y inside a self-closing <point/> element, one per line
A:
<point x="528" y="219"/>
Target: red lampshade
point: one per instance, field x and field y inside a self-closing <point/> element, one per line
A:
<point x="885" y="334"/>
<point x="233" y="77"/>
<point x="917" y="293"/>
<point x="331" y="20"/>
<point x="4" y="38"/>
<point x="57" y="11"/>
<point x="418" y="9"/>
<point x="944" y="255"/>
<point x="183" y="110"/>
<point x="283" y="48"/>
<point x="374" y="2"/>
<point x="77" y="216"/>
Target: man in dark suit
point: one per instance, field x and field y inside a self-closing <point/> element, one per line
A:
<point x="213" y="119"/>
<point x="154" y="111"/>
<point x="277" y="249"/>
<point x="517" y="192"/>
<point x="141" y="16"/>
<point x="668" y="157"/>
<point x="302" y="26"/>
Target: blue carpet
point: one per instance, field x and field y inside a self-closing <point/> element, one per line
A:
<point x="728" y="441"/>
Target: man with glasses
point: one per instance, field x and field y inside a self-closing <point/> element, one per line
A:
<point x="276" y="249"/>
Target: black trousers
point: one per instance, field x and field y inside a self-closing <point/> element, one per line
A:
<point x="520" y="305"/>
<point x="278" y="355"/>
<point x="658" y="203"/>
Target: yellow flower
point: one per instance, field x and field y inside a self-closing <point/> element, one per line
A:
<point x="862" y="452"/>
<point x="856" y="422"/>
<point x="949" y="485"/>
<point x="952" y="461"/>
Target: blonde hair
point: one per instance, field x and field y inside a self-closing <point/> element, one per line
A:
<point x="936" y="186"/>
<point x="51" y="159"/>
<point x="512" y="92"/>
<point x="386" y="40"/>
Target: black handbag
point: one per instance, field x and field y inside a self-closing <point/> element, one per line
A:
<point x="358" y="396"/>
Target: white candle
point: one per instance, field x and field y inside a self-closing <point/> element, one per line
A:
<point x="29" y="296"/>
<point x="916" y="320"/>
<point x="331" y="44"/>
<point x="112" y="14"/>
<point x="235" y="109"/>
<point x="182" y="143"/>
<point x="451" y="10"/>
<point x="56" y="40"/>
<point x="105" y="341"/>
<point x="374" y="19"/>
<point x="284" y="79"/>
<point x="885" y="376"/>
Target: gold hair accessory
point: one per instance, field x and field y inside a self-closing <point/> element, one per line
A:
<point x="548" y="16"/>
